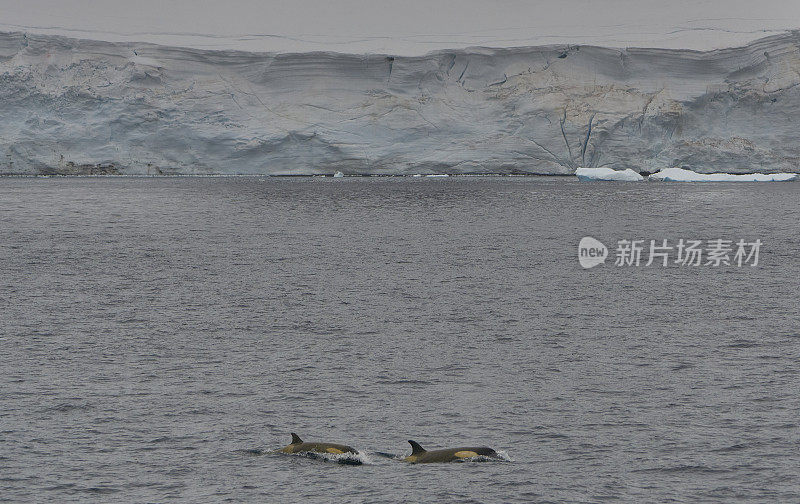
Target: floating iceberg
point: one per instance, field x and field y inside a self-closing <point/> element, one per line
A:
<point x="589" y="174"/>
<point x="338" y="174"/>
<point x="681" y="175"/>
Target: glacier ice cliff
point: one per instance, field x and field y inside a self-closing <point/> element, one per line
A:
<point x="79" y="106"/>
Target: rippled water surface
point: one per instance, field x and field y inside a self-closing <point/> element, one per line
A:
<point x="159" y="336"/>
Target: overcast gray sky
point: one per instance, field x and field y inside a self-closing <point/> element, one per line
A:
<point x="406" y="27"/>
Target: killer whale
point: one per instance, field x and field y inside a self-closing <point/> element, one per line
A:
<point x="420" y="455"/>
<point x="299" y="446"/>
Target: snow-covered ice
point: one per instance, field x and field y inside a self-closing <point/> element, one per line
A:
<point x="73" y="106"/>
<point x="590" y="174"/>
<point x="683" y="175"/>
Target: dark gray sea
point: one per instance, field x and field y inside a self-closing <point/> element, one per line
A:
<point x="159" y="336"/>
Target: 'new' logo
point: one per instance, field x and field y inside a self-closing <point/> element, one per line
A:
<point x="591" y="252"/>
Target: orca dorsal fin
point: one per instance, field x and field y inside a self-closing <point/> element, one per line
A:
<point x="296" y="439"/>
<point x="415" y="447"/>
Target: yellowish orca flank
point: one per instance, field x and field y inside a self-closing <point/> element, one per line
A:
<point x="420" y="455"/>
<point x="299" y="446"/>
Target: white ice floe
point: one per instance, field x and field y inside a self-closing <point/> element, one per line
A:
<point x="338" y="174"/>
<point x="589" y="174"/>
<point x="682" y="175"/>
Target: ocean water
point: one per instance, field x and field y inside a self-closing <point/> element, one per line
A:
<point x="159" y="336"/>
